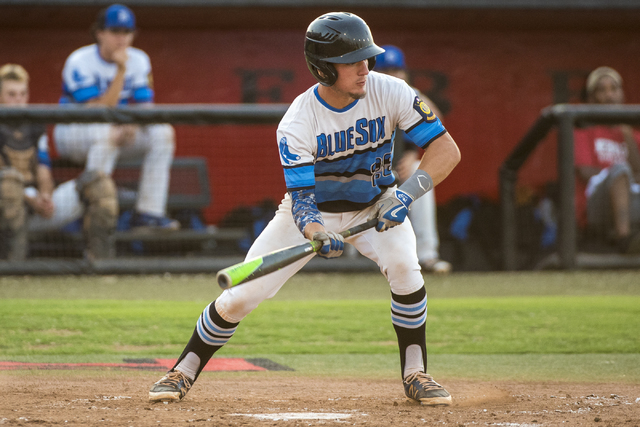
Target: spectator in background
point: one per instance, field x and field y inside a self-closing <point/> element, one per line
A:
<point x="28" y="201"/>
<point x="607" y="161"/>
<point x="110" y="73"/>
<point x="423" y="211"/>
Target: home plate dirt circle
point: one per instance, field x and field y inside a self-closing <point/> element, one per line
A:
<point x="287" y="399"/>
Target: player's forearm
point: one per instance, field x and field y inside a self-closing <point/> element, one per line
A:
<point x="440" y="158"/>
<point x="44" y="180"/>
<point x="311" y="228"/>
<point x="305" y="212"/>
<point x="632" y="149"/>
<point x="586" y="172"/>
<point x="112" y="95"/>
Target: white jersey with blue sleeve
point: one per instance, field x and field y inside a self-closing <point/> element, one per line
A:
<point x="86" y="76"/>
<point x="345" y="155"/>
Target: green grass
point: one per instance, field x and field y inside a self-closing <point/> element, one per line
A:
<point x="325" y="286"/>
<point x="543" y="325"/>
<point x="500" y="325"/>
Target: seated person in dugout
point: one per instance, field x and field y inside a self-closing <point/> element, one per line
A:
<point x="110" y="73"/>
<point x="28" y="200"/>
<point x="607" y="162"/>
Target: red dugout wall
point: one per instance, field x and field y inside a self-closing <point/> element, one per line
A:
<point x="491" y="72"/>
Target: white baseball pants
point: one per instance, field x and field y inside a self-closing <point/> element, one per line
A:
<point x="67" y="208"/>
<point x="95" y="144"/>
<point x="393" y="250"/>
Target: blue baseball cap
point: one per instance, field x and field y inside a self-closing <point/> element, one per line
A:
<point x="119" y="16"/>
<point x="392" y="57"/>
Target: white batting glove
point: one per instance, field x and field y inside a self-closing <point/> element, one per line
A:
<point x="332" y="243"/>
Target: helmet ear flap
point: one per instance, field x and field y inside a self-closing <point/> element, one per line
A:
<point x="324" y="72"/>
<point x="372" y="62"/>
<point x="331" y="74"/>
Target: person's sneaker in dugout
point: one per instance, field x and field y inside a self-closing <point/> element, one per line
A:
<point x="152" y="222"/>
<point x="436" y="266"/>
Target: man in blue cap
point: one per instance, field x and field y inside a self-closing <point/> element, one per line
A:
<point x="423" y="210"/>
<point x="110" y="73"/>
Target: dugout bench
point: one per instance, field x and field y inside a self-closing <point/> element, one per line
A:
<point x="189" y="194"/>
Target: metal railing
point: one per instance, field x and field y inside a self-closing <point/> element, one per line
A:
<point x="189" y="114"/>
<point x="563" y="117"/>
<point x="196" y="114"/>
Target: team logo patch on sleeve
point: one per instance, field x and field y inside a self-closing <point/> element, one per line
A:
<point x="424" y="110"/>
<point x="287" y="156"/>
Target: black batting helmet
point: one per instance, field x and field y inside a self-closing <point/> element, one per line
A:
<point x="338" y="38"/>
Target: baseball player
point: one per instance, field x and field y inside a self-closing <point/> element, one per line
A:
<point x="28" y="200"/>
<point x="336" y="149"/>
<point x="110" y="73"/>
<point x="423" y="211"/>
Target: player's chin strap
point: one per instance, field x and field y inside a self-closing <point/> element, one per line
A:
<point x="393" y="210"/>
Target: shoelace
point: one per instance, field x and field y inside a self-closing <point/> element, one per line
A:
<point x="425" y="380"/>
<point x="174" y="378"/>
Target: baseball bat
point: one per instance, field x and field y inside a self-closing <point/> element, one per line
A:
<point x="263" y="265"/>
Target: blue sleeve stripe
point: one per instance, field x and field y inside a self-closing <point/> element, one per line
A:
<point x="301" y="177"/>
<point x="43" y="158"/>
<point x="143" y="94"/>
<point x="424" y="133"/>
<point x="85" y="94"/>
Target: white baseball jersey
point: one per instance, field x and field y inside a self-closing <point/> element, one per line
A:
<point x="345" y="154"/>
<point x="86" y="75"/>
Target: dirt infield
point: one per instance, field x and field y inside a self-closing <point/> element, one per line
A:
<point x="120" y="399"/>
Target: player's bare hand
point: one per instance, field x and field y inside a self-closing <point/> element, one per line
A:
<point x="120" y="57"/>
<point x="332" y="243"/>
<point x="124" y="135"/>
<point x="42" y="205"/>
<point x="390" y="212"/>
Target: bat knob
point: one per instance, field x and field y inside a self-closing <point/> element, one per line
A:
<point x="224" y="280"/>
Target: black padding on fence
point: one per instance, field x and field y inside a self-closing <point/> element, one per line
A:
<point x="196" y="114"/>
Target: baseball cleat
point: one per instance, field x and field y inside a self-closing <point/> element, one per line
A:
<point x="422" y="387"/>
<point x="170" y="388"/>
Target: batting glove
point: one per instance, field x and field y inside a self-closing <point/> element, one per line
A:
<point x="392" y="211"/>
<point x="332" y="243"/>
